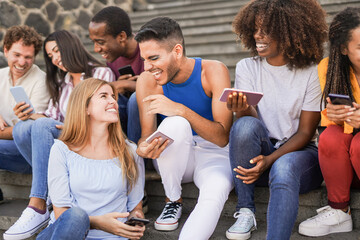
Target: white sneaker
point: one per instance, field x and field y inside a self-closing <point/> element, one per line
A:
<point x="169" y="218"/>
<point x="27" y="225"/>
<point x="244" y="225"/>
<point x="328" y="220"/>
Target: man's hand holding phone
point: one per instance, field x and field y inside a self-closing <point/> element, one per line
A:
<point x="154" y="145"/>
<point x="23" y="111"/>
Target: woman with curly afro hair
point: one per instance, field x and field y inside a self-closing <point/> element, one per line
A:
<point x="339" y="153"/>
<point x="274" y="143"/>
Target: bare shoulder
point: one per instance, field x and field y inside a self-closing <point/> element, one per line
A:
<point x="215" y="74"/>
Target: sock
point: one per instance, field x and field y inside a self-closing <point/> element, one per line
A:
<point x="37" y="210"/>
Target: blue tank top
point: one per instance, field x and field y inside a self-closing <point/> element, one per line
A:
<point x="191" y="93"/>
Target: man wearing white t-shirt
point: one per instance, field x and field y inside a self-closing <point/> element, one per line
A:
<point x="21" y="45"/>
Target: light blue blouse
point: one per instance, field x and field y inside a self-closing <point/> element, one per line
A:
<point x="96" y="186"/>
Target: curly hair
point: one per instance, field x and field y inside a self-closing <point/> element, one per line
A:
<point x="26" y="34"/>
<point x="299" y="28"/>
<point x="338" y="72"/>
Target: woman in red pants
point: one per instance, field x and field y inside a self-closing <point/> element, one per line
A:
<point x="339" y="144"/>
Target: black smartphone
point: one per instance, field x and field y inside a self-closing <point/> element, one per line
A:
<point x="137" y="221"/>
<point x="126" y="70"/>
<point x="339" y="99"/>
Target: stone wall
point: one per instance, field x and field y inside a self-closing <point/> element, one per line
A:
<point x="47" y="16"/>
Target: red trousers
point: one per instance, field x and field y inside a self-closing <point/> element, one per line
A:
<point x="339" y="157"/>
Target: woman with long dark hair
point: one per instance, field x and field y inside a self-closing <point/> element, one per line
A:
<point x="339" y="152"/>
<point x="67" y="64"/>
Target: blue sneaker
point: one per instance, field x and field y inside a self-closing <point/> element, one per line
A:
<point x="243" y="226"/>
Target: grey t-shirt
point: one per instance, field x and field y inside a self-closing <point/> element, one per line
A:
<point x="286" y="93"/>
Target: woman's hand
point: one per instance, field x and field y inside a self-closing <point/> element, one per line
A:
<point x="249" y="176"/>
<point x="353" y="118"/>
<point x="338" y="113"/>
<point x="20" y="111"/>
<point x="110" y="223"/>
<point x="237" y="102"/>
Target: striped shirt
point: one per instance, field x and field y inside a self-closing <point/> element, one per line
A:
<point x="57" y="111"/>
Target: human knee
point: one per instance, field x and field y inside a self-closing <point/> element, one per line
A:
<point x="43" y="123"/>
<point x="333" y="139"/>
<point x="177" y="128"/>
<point x="22" y="128"/>
<point x="244" y="128"/>
<point x="78" y="215"/>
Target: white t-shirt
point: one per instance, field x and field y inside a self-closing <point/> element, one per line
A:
<point x="96" y="186"/>
<point x="35" y="87"/>
<point x="286" y="93"/>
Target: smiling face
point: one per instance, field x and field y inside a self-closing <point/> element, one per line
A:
<point x="53" y="52"/>
<point x="160" y="62"/>
<point x="108" y="46"/>
<point x="352" y="50"/>
<point x="267" y="47"/>
<point x="20" y="59"/>
<point x="103" y="106"/>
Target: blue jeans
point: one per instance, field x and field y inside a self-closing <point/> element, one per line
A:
<point x="11" y="159"/>
<point x="129" y="117"/>
<point x="291" y="174"/>
<point x="74" y="223"/>
<point x="34" y="140"/>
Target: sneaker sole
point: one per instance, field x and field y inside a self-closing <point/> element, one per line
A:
<point x="166" y="227"/>
<point x="239" y="236"/>
<point x="26" y="234"/>
<point x="322" y="231"/>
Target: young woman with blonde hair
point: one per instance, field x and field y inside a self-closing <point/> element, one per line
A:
<point x="96" y="180"/>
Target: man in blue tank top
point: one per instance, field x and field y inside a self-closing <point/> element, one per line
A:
<point x="185" y="92"/>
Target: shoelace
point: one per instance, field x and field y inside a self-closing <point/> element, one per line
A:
<point x="25" y="218"/>
<point x="245" y="219"/>
<point x="171" y="210"/>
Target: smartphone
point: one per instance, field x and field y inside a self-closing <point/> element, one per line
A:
<point x="158" y="134"/>
<point x="20" y="95"/>
<point x="137" y="221"/>
<point x="126" y="70"/>
<point x="252" y="97"/>
<point x="339" y="99"/>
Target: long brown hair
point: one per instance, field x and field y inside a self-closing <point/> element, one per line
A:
<point x="76" y="131"/>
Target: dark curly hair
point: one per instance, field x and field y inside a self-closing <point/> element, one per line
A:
<point x="338" y="72"/>
<point x="26" y="34"/>
<point x="299" y="27"/>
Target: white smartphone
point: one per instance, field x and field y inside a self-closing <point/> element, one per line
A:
<point x="158" y="134"/>
<point x="20" y="95"/>
<point x="252" y="98"/>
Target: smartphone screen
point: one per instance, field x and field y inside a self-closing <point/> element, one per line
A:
<point x="20" y="95"/>
<point x="126" y="70"/>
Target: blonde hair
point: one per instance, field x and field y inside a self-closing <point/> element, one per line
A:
<point x="76" y="130"/>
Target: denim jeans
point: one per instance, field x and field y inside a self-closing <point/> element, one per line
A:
<point x="73" y="224"/>
<point x="291" y="174"/>
<point x="133" y="124"/>
<point x="34" y="140"/>
<point x="11" y="159"/>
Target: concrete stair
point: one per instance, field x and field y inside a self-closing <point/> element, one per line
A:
<point x="11" y="209"/>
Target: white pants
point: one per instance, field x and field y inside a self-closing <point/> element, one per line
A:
<point x="191" y="158"/>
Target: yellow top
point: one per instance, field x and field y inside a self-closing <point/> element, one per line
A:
<point x="322" y="69"/>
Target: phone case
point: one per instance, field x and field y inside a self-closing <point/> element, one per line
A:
<point x="126" y="70"/>
<point x="158" y="134"/>
<point x="137" y="221"/>
<point x="339" y="99"/>
<point x="253" y="98"/>
<point x="20" y="95"/>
